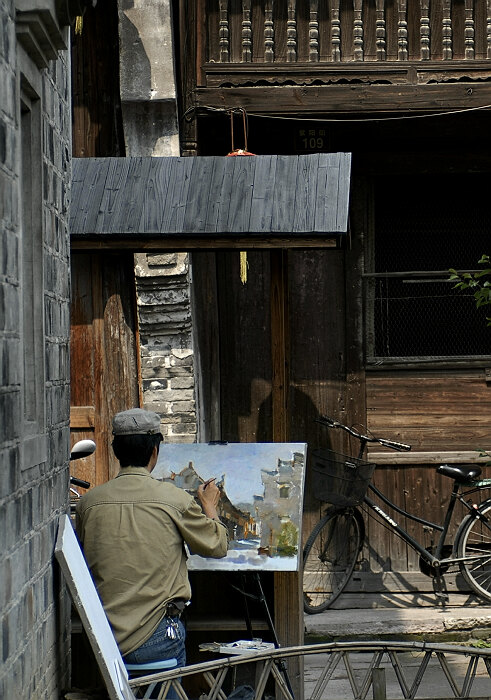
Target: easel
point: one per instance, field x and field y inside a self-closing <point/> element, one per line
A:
<point x="264" y="604"/>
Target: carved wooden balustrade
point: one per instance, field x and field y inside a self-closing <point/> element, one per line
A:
<point x="251" y="42"/>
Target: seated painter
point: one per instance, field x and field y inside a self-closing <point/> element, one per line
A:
<point x="132" y="530"/>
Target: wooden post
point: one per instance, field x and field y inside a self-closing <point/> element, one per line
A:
<point x="378" y="684"/>
<point x="279" y="344"/>
<point x="288" y="605"/>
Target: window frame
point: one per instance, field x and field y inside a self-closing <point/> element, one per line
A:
<point x="30" y="168"/>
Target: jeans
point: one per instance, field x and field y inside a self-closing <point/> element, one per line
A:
<point x="159" y="647"/>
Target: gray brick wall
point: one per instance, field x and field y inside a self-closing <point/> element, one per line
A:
<point x="34" y="608"/>
<point x="166" y="348"/>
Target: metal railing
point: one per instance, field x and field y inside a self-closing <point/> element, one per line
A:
<point x="458" y="668"/>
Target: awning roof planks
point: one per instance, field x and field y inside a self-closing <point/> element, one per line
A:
<point x="209" y="197"/>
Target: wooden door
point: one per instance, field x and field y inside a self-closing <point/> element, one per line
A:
<point x="104" y="365"/>
<point x="273" y="350"/>
<point x="272" y="353"/>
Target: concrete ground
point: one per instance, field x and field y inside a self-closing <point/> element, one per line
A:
<point x="434" y="684"/>
<point x="456" y="624"/>
<point x="451" y="625"/>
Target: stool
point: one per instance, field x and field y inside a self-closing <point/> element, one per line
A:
<point x="137" y="670"/>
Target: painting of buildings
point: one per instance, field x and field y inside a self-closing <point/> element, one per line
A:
<point x="261" y="501"/>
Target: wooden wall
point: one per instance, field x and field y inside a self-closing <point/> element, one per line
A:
<point x="241" y="342"/>
<point x="97" y="122"/>
<point x="104" y="369"/>
<point x="440" y="413"/>
<point x="445" y="415"/>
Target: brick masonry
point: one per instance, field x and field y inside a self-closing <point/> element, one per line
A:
<point x="34" y="607"/>
<point x="167" y="359"/>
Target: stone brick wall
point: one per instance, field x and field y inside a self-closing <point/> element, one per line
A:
<point x="34" y="608"/>
<point x="167" y="360"/>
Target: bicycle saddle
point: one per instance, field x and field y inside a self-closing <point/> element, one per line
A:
<point x="461" y="474"/>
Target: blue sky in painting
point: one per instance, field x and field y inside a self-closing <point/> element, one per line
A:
<point x="240" y="462"/>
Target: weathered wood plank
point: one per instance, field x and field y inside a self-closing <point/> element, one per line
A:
<point x="104" y="372"/>
<point x="433" y="411"/>
<point x="154" y="197"/>
<point x="427" y="439"/>
<point x="79" y="173"/>
<point x="87" y="194"/>
<point x="195" y="214"/>
<point x="241" y="195"/>
<point x="186" y="243"/>
<point x="212" y="194"/>
<point x="217" y="177"/>
<point x="284" y="193"/>
<point x="262" y="196"/>
<point x="343" y="191"/>
<point x="279" y="344"/>
<point x="182" y="192"/>
<point x="304" y="212"/>
<point x="112" y="200"/>
<point x="359" y="600"/>
<point x="128" y="215"/>
<point x="224" y="196"/>
<point x="327" y="188"/>
<point x="82" y="416"/>
<point x="343" y="98"/>
<point x="212" y="624"/>
<point x="401" y="589"/>
<point x="436" y="457"/>
<point x="337" y="185"/>
<point x="135" y="200"/>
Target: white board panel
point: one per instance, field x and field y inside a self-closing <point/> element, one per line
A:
<point x="89" y="607"/>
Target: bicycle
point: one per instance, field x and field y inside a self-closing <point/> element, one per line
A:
<point x="333" y="547"/>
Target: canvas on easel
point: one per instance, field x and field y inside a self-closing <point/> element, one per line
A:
<point x="261" y="501"/>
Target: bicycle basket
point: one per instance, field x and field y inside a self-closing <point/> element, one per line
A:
<point x="338" y="479"/>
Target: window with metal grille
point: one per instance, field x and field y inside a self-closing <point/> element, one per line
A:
<point x="422" y="227"/>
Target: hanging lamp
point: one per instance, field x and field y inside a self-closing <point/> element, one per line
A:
<point x="244" y="265"/>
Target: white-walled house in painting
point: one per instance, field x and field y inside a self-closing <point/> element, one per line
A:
<point x="261" y="501"/>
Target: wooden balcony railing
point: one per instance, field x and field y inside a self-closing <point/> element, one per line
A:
<point x="247" y="41"/>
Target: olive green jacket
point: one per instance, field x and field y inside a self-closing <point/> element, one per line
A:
<point x="132" y="530"/>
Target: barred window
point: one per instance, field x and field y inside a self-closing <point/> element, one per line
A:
<point x="422" y="227"/>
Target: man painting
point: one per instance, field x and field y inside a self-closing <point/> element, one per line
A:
<point x="132" y="530"/>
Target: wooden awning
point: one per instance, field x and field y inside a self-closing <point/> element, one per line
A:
<point x="210" y="201"/>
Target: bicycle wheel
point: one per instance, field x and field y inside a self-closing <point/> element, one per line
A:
<point x="474" y="543"/>
<point x="329" y="557"/>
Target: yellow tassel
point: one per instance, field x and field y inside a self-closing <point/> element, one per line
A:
<point x="79" y="23"/>
<point x="243" y="267"/>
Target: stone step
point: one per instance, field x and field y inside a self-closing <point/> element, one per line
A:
<point x="422" y="623"/>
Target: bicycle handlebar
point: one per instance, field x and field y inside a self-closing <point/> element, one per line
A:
<point x="392" y="444"/>
<point x="79" y="482"/>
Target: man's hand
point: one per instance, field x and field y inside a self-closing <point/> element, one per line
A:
<point x="209" y="496"/>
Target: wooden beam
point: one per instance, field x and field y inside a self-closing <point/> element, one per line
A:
<point x="288" y="602"/>
<point x="456" y="457"/>
<point x="138" y="245"/>
<point x="279" y="344"/>
<point x="407" y="72"/>
<point x="340" y="99"/>
<point x="82" y="417"/>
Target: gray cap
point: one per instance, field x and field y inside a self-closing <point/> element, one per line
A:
<point x="136" y="421"/>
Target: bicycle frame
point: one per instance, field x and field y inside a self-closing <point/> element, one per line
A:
<point x="434" y="560"/>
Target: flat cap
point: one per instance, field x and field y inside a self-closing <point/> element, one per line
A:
<point x="136" y="421"/>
